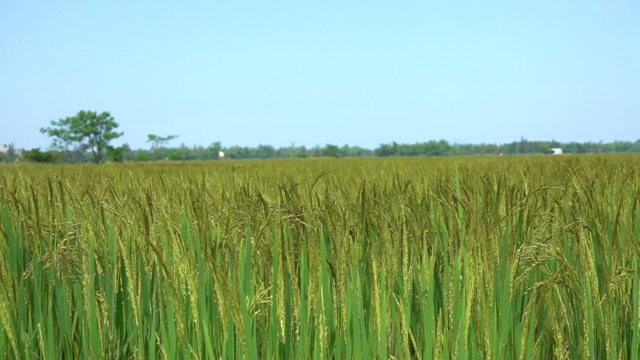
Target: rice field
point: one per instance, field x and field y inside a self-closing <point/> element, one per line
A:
<point x="425" y="258"/>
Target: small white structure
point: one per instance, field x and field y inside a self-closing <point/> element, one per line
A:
<point x="5" y="149"/>
<point x="556" y="151"/>
<point x="220" y="154"/>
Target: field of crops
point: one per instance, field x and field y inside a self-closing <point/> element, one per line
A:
<point x="446" y="258"/>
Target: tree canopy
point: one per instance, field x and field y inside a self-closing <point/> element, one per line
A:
<point x="87" y="129"/>
<point x="158" y="142"/>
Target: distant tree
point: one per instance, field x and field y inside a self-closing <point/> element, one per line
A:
<point x="117" y="154"/>
<point x="213" y="150"/>
<point x="35" y="155"/>
<point x="177" y="156"/>
<point x="347" y="150"/>
<point x="386" y="150"/>
<point x="331" y="151"/>
<point x="142" y="157"/>
<point x="11" y="152"/>
<point x="236" y="152"/>
<point x="264" y="152"/>
<point x="66" y="135"/>
<point x="158" y="142"/>
<point x="87" y="128"/>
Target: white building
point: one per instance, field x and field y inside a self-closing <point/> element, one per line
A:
<point x="5" y="149"/>
<point x="556" y="151"/>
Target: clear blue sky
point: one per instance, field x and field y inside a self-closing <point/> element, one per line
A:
<point x="317" y="72"/>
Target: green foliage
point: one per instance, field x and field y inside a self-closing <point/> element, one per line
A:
<point x="35" y="155"/>
<point x="5" y="157"/>
<point x="117" y="154"/>
<point x="524" y="146"/>
<point x="87" y="129"/>
<point x="143" y="157"/>
<point x="159" y="142"/>
<point x="428" y="258"/>
<point x="213" y="151"/>
<point x="176" y="156"/>
<point x="11" y="155"/>
<point x="331" y="151"/>
<point x="431" y="148"/>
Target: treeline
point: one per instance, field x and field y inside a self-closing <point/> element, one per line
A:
<point x="185" y="153"/>
<point x="430" y="148"/>
<point x="443" y="148"/>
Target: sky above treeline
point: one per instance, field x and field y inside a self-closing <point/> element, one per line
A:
<point x="324" y="72"/>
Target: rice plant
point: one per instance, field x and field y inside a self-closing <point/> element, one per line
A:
<point x="426" y="258"/>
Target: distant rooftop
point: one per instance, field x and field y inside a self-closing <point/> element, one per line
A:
<point x="5" y="149"/>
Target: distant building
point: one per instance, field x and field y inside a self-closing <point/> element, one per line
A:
<point x="556" y="151"/>
<point x="5" y="149"/>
